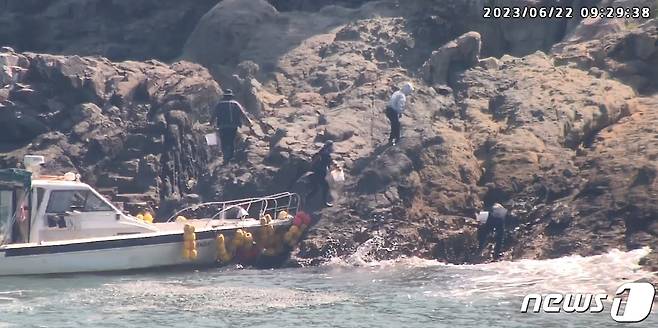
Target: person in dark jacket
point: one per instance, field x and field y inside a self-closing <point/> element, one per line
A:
<point x="321" y="164"/>
<point x="495" y="222"/>
<point x="229" y="116"/>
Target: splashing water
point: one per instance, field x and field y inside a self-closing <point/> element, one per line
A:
<point x="363" y="256"/>
<point x="570" y="274"/>
<point x="353" y="292"/>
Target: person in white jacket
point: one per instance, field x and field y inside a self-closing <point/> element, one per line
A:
<point x="396" y="106"/>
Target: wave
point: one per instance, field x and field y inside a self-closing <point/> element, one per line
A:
<point x="570" y="274"/>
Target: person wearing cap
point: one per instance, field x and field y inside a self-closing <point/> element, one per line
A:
<point x="494" y="222"/>
<point x="321" y="163"/>
<point x="395" y="109"/>
<point x="229" y="116"/>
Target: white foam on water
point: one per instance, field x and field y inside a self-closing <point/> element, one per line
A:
<point x="363" y="256"/>
<point x="570" y="274"/>
<point x="176" y="296"/>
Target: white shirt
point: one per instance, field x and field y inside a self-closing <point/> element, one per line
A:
<point x="398" y="101"/>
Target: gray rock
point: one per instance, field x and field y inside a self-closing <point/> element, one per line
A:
<point x="490" y="63"/>
<point x="226" y="29"/>
<point x="463" y="53"/>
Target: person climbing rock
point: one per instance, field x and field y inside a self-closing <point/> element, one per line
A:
<point x="229" y="116"/>
<point x="321" y="163"/>
<point x="394" y="110"/>
<point x="493" y="222"/>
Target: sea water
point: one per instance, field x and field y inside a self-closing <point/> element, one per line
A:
<point x="350" y="292"/>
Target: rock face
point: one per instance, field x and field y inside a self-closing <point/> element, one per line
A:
<point x="512" y="130"/>
<point x="117" y="29"/>
<point x="628" y="53"/>
<point x="460" y="54"/>
<point x="561" y="131"/>
<point x="127" y="126"/>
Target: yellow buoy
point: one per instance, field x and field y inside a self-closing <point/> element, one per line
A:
<point x="148" y="217"/>
<point x="282" y="215"/>
<point x="237" y="241"/>
<point x="189" y="228"/>
<point x="265" y="235"/>
<point x="140" y="216"/>
<point x="293" y="234"/>
<point x="190" y="244"/>
<point x="222" y="252"/>
<point x="224" y="258"/>
<point x="248" y="240"/>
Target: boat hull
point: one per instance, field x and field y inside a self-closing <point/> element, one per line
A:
<point x="110" y="254"/>
<point x="12" y="262"/>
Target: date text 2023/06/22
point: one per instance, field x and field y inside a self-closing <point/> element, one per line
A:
<point x="566" y="12"/>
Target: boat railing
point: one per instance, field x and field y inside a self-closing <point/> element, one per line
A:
<point x="260" y="206"/>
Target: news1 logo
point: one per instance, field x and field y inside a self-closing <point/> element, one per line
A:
<point x="636" y="306"/>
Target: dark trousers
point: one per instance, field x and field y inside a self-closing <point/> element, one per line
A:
<point x="319" y="183"/>
<point x="497" y="226"/>
<point x="394" y="118"/>
<point x="227" y="139"/>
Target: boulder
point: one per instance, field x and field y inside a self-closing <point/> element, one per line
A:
<point x="225" y="30"/>
<point x="459" y="54"/>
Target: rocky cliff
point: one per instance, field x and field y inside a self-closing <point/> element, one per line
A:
<point x="127" y="128"/>
<point x="116" y="29"/>
<point x="554" y="118"/>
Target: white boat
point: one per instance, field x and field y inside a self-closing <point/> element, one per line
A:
<point x="52" y="224"/>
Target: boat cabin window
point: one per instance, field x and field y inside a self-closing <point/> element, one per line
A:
<point x="6" y="208"/>
<point x="80" y="200"/>
<point x="40" y="193"/>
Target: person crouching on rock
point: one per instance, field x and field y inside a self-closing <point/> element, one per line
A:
<point x="494" y="222"/>
<point x="394" y="110"/>
<point x="321" y="163"/>
<point x="229" y="115"/>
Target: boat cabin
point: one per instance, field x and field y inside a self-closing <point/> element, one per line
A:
<point x="52" y="208"/>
